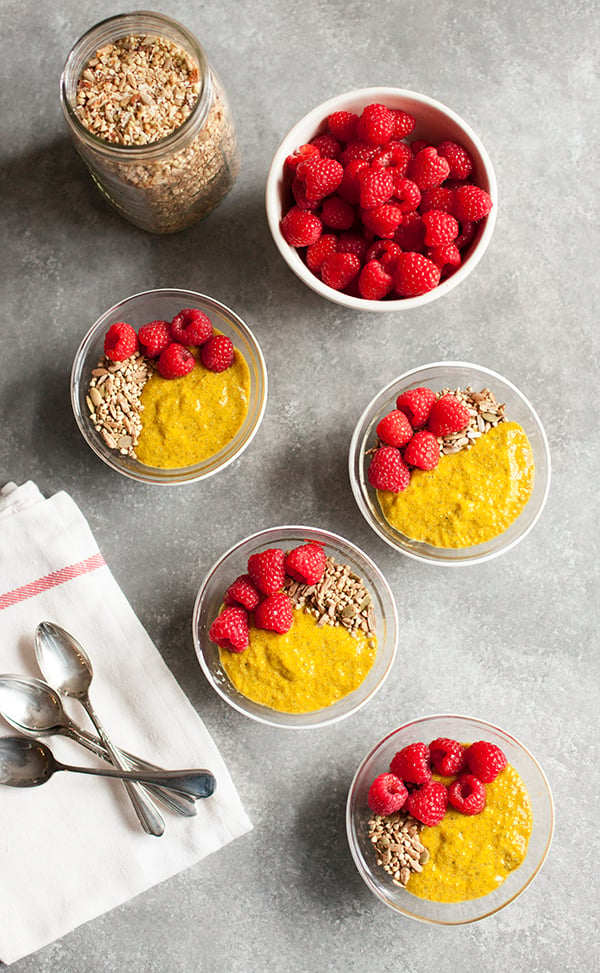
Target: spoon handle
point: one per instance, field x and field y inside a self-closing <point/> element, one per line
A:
<point x="198" y="783"/>
<point x="148" y="815"/>
<point x="174" y="800"/>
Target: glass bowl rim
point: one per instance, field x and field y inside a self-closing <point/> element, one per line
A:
<point x="330" y="539"/>
<point x="358" y="491"/>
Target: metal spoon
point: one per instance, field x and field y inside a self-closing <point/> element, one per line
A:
<point x="35" y="709"/>
<point x="27" y="763"/>
<point x="65" y="665"/>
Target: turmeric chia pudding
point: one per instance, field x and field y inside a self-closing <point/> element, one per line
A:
<point x="449" y="468"/>
<point x="296" y="633"/>
<point x="450" y="821"/>
<point x="170" y="395"/>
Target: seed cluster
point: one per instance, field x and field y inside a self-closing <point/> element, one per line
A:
<point x="340" y="598"/>
<point x="113" y="401"/>
<point x="485" y="412"/>
<point x="137" y="90"/>
<point x="396" y="841"/>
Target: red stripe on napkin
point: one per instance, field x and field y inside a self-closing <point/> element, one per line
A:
<point x="51" y="580"/>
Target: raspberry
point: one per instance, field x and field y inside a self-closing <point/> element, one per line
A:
<point x="439" y="227"/>
<point x="418" y="145"/>
<point x="388" y="471"/>
<point x="120" y="341"/>
<point x="374" y="282"/>
<point x="386" y="794"/>
<point x="338" y="214"/>
<point x="410" y="234"/>
<point x="300" y="197"/>
<point x="467" y="794"/>
<point x="191" y="327"/>
<point x="423" y="450"/>
<point x="357" y="150"/>
<point x="275" y="613"/>
<point x="447" y="415"/>
<point x="339" y="269"/>
<point x="302" y="154"/>
<point x="328" y="146"/>
<point x="230" y="629"/>
<point x="415" y="275"/>
<point x="306" y="563"/>
<point x="217" y="354"/>
<point x="485" y="760"/>
<point x="396" y="155"/>
<point x="154" y="337"/>
<point x="376" y="187"/>
<point x="412" y="763"/>
<point x="407" y="193"/>
<point x="267" y="570"/>
<point x="242" y="592"/>
<point x="394" y="429"/>
<point x="342" y="125"/>
<point x="300" y="228"/>
<point x="376" y="125"/>
<point x="461" y="164"/>
<point x="446" y="257"/>
<point x="352" y="242"/>
<point x="428" y="803"/>
<point x="403" y="123"/>
<point x="428" y="169"/>
<point x="322" y="178"/>
<point x="316" y="253"/>
<point x="447" y="756"/>
<point x="439" y="198"/>
<point x="467" y="232"/>
<point x="471" y="204"/>
<point x="383" y="220"/>
<point x="416" y="404"/>
<point x="175" y="361"/>
<point x="349" y="188"/>
<point x="386" y="252"/>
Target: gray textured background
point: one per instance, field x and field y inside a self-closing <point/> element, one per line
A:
<point x="509" y="641"/>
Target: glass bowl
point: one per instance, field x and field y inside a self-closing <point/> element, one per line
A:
<point x="164" y="304"/>
<point x="466" y="729"/>
<point x="439" y="375"/>
<point x="435" y="123"/>
<point x="233" y="563"/>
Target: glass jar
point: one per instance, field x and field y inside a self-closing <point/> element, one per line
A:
<point x="172" y="180"/>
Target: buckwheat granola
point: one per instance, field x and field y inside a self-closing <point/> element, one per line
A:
<point x="113" y="401"/>
<point x="133" y="94"/>
<point x="339" y="598"/>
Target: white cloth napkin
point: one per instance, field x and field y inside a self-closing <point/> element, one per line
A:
<point x="73" y="848"/>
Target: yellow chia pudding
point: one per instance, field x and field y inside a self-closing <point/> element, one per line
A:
<point x="450" y="821"/>
<point x="170" y="395"/>
<point x="456" y="479"/>
<point x="305" y="669"/>
<point x="471" y="856"/>
<point x="296" y="633"/>
<point x="187" y="420"/>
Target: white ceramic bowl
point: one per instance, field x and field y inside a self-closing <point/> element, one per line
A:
<point x="164" y="304"/>
<point x="434" y="122"/>
<point x="466" y="729"/>
<point x="436" y="376"/>
<point x="233" y="563"/>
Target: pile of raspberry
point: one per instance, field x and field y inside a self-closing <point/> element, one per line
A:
<point x="377" y="216"/>
<point x="409" y="784"/>
<point x="409" y="436"/>
<point x="169" y="343"/>
<point x="260" y="593"/>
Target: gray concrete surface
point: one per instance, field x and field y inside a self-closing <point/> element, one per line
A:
<point x="512" y="641"/>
